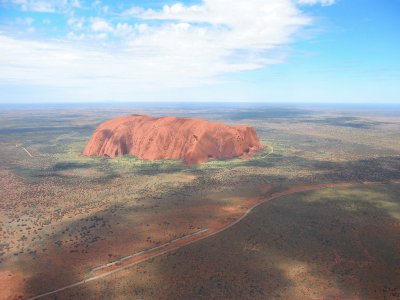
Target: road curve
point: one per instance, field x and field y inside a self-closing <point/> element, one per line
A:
<point x="270" y="152"/>
<point x="179" y="244"/>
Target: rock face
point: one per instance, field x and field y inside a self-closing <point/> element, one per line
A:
<point x="191" y="140"/>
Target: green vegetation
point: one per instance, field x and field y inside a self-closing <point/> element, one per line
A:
<point x="340" y="242"/>
<point x="62" y="212"/>
<point x="364" y="200"/>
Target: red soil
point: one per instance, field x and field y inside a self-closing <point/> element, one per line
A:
<point x="227" y="217"/>
<point x="11" y="285"/>
<point x="191" y="140"/>
<point x="223" y="218"/>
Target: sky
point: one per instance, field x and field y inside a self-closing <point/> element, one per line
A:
<point x="272" y="51"/>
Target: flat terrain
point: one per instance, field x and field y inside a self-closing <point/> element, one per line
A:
<point x="335" y="243"/>
<point x="62" y="214"/>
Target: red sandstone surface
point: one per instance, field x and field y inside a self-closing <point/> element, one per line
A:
<point x="191" y="140"/>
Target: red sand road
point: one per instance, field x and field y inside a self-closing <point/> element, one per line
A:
<point x="251" y="203"/>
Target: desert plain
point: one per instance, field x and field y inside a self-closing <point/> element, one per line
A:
<point x="315" y="214"/>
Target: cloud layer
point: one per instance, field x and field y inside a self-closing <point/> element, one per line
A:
<point x="46" y="6"/>
<point x="137" y="48"/>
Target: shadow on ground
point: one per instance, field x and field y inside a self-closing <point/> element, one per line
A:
<point x="335" y="243"/>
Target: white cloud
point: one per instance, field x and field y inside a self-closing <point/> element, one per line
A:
<point x="25" y="21"/>
<point x="313" y="2"/>
<point x="255" y="24"/>
<point x="47" y="6"/>
<point x="100" y="25"/>
<point x="123" y="29"/>
<point x="76" y="37"/>
<point x="194" y="45"/>
<point x="37" y="6"/>
<point x="26" y="24"/>
<point x="75" y="3"/>
<point x="76" y="23"/>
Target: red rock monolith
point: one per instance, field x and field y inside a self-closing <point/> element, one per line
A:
<point x="190" y="140"/>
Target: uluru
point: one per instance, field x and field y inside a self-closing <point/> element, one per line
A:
<point x="191" y="140"/>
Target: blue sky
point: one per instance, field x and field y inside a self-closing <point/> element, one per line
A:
<point x="322" y="51"/>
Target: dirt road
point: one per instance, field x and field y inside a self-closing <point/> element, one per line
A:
<point x="23" y="148"/>
<point x="271" y="150"/>
<point x="142" y="256"/>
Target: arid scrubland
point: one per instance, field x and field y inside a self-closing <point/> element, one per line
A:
<point x="63" y="214"/>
